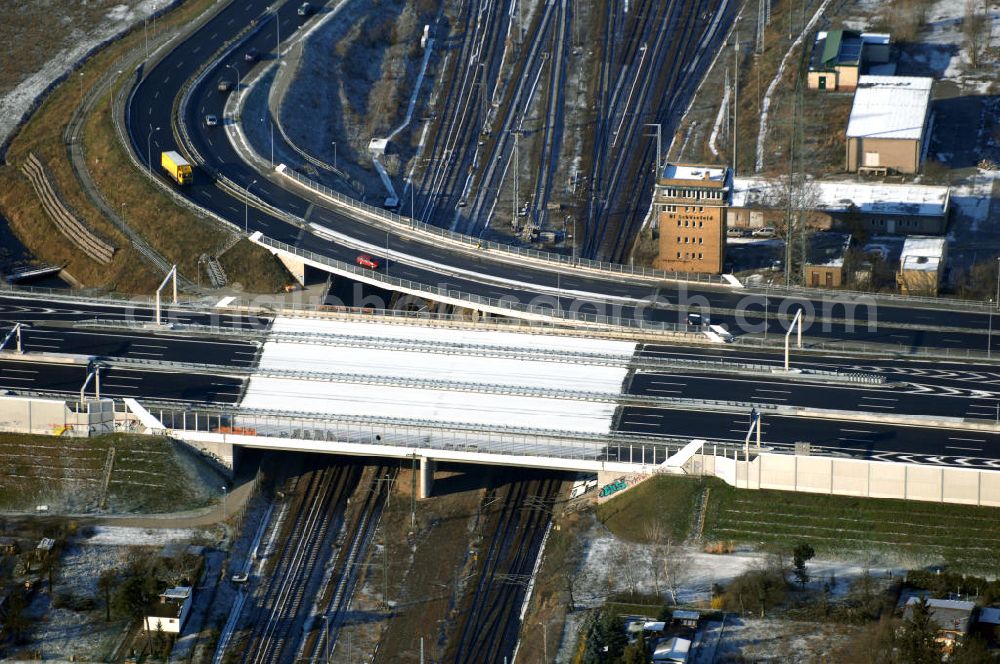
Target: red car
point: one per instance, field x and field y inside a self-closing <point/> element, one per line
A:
<point x="364" y="260"/>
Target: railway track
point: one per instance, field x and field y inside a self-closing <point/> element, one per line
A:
<point x="492" y="612"/>
<point x="335" y="600"/>
<point x="277" y="609"/>
<point x="454" y="144"/>
<point x="676" y="38"/>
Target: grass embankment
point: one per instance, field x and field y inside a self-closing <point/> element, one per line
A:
<point x="916" y="533"/>
<point x="68" y="473"/>
<point x="666" y="502"/>
<point x="254" y="268"/>
<point x="962" y="535"/>
<point x="178" y="234"/>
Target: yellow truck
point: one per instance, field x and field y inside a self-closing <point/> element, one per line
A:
<point x="178" y="167"/>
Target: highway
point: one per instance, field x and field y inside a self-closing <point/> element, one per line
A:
<point x="862" y="439"/>
<point x="894" y="399"/>
<point x="29" y="308"/>
<point x="67" y="379"/>
<point x="899" y="324"/>
<point x="915" y="387"/>
<point x="137" y="346"/>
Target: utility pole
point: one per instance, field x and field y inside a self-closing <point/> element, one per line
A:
<point x="659" y="146"/>
<point x="517" y="165"/>
<point x="736" y="95"/>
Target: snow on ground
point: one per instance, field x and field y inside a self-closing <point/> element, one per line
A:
<point x="15" y="103"/>
<point x="129" y="536"/>
<point x="83" y="634"/>
<point x="602" y="573"/>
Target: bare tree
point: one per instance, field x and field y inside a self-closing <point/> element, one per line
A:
<point x="657" y="540"/>
<point x="625" y="566"/>
<point x="976" y="29"/>
<point x="677" y="562"/>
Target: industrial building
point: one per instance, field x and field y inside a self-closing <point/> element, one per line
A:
<point x="888" y="124"/>
<point x="876" y="208"/>
<point x="691" y="202"/>
<point x="839" y="57"/>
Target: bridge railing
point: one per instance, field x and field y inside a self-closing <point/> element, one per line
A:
<point x="416" y="227"/>
<point x="423" y="434"/>
<point x="507" y="306"/>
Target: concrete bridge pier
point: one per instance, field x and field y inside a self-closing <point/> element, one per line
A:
<point x="426" y="478"/>
<point x="295" y="266"/>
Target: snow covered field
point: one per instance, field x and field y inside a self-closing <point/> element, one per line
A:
<point x="71" y="30"/>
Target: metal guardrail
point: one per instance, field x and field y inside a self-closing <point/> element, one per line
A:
<point x="412" y="434"/>
<point x="412" y="226"/>
<point x="500" y="305"/>
<point x="894" y="299"/>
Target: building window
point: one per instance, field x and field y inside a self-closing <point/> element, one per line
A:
<point x="699" y="254"/>
<point x="678" y="254"/>
<point x="701" y="224"/>
<point x="701" y="240"/>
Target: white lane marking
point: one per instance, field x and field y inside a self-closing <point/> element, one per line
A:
<point x="968" y="440"/>
<point x="643" y="424"/>
<point x="856" y="431"/>
<point x="651" y="389"/>
<point x="966" y="449"/>
<point x="879" y="399"/>
<point x="25" y="371"/>
<point x="149" y="346"/>
<point x="761" y="389"/>
<point x="4" y="378"/>
<point x="147" y="354"/>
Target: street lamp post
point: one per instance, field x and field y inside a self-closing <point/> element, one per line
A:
<point x="989" y="334"/>
<point x="246" y="209"/>
<point x="149" y="150"/>
<point x="334" y="155"/>
<point x="224" y="493"/>
<point x="239" y="80"/>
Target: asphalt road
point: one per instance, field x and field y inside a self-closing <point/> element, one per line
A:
<point x="960" y="375"/>
<point x="158" y="348"/>
<point x="27" y="308"/>
<point x="864" y="439"/>
<point x="154" y="385"/>
<point x="463" y="272"/>
<point x="901" y="399"/>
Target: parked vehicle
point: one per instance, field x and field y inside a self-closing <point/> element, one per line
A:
<point x="766" y="231"/>
<point x="304" y="9"/>
<point x="178" y="167"/>
<point x="364" y="260"/>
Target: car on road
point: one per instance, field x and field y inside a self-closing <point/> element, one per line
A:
<point x="211" y="120"/>
<point x="304" y="9"/>
<point x="250" y="56"/>
<point x="364" y="260"/>
<point x="224" y="85"/>
<point x="241" y="577"/>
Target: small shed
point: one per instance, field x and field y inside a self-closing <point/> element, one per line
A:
<point x="922" y="265"/>
<point x="672" y="651"/>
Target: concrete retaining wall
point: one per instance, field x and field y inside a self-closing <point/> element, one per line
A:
<point x="55" y="417"/>
<point x="856" y="477"/>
